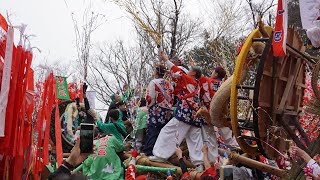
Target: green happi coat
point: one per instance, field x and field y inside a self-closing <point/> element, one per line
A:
<point x="142" y="117"/>
<point x="115" y="128"/>
<point x="105" y="164"/>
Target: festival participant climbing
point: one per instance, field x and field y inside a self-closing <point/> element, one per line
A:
<point x="208" y="87"/>
<point x="142" y="117"/>
<point x="217" y="76"/>
<point x="179" y="62"/>
<point x="184" y="124"/>
<point x="123" y="110"/>
<point x="159" y="100"/>
<point x="183" y="166"/>
<point x="115" y="98"/>
<point x="210" y="172"/>
<point x="177" y="89"/>
<point x="115" y="126"/>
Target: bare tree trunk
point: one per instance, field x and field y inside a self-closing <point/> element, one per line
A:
<point x="173" y="50"/>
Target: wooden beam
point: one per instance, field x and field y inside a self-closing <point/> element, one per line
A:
<point x="290" y="85"/>
<point x="237" y="158"/>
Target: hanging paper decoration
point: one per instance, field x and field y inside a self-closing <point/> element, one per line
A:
<point x="62" y="88"/>
<point x="91" y="96"/>
<point x="5" y="84"/>
<point x="280" y="31"/>
<point x="24" y="121"/>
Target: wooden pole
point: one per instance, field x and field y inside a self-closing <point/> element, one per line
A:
<point x="237" y="158"/>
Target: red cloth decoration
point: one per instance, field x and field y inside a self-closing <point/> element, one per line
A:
<point x="48" y="119"/>
<point x="280" y="30"/>
<point x="210" y="172"/>
<point x="185" y="175"/>
<point x="59" y="151"/>
<point x="3" y="23"/>
<point x="130" y="172"/>
<point x="141" y="177"/>
<point x="134" y="153"/>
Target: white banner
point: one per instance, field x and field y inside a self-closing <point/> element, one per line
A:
<point x="5" y="84"/>
<point x="309" y="12"/>
<point x="91" y="96"/>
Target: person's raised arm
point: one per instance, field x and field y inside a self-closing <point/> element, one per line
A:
<point x="261" y="28"/>
<point x="205" y="156"/>
<point x="183" y="165"/>
<point x="165" y="59"/>
<point x="301" y="153"/>
<point x="104" y="127"/>
<point x="75" y="158"/>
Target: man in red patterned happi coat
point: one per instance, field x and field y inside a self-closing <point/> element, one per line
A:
<point x="184" y="124"/>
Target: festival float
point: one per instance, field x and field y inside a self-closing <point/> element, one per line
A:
<point x="271" y="102"/>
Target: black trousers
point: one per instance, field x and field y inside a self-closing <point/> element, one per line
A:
<point x="151" y="138"/>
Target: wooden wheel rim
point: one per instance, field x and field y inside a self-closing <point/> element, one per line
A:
<point x="240" y="64"/>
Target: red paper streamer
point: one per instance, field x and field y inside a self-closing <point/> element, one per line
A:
<point x="57" y="128"/>
<point x="3" y="23"/>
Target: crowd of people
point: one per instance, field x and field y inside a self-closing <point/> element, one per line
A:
<point x="165" y="116"/>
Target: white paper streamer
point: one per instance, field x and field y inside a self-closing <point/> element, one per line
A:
<point x="91" y="96"/>
<point x="5" y="84"/>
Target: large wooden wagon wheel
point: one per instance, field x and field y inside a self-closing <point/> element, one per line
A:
<point x="277" y="95"/>
<point x="254" y="148"/>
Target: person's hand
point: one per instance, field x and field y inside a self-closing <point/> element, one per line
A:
<point x="260" y="23"/>
<point x="225" y="161"/>
<point x="301" y="153"/>
<point x="293" y="151"/>
<point x="163" y="56"/>
<point x="85" y="87"/>
<point x="205" y="149"/>
<point x="134" y="153"/>
<point x="314" y="177"/>
<point x="179" y="152"/>
<point x="217" y="165"/>
<point x="191" y="61"/>
<point x="76" y="157"/>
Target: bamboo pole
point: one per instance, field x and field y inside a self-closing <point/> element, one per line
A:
<point x="237" y="158"/>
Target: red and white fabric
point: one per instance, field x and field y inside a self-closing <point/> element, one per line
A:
<point x="6" y="75"/>
<point x="160" y="92"/>
<point x="280" y="31"/>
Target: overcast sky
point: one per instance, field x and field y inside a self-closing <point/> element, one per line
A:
<point x="51" y="22"/>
